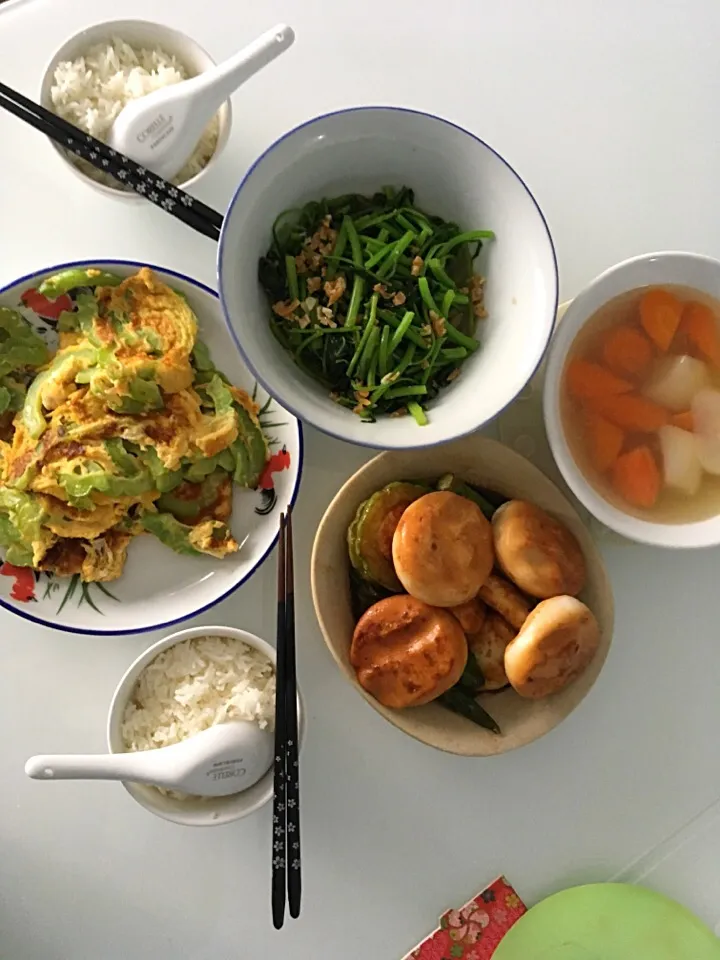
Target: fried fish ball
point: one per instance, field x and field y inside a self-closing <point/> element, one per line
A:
<point x="557" y="642"/>
<point x="503" y="596"/>
<point x="537" y="552"/>
<point x="488" y="648"/>
<point x="471" y="615"/>
<point x="406" y="653"/>
<point x="442" y="549"/>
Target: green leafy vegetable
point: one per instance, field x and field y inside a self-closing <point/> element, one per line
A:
<point x="472" y="678"/>
<point x="354" y="280"/>
<point x="460" y="701"/>
<point x="364" y="593"/>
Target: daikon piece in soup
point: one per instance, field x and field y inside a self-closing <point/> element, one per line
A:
<point x="640" y="403"/>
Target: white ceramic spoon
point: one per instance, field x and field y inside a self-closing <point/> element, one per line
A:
<point x="224" y="759"/>
<point x="162" y="129"/>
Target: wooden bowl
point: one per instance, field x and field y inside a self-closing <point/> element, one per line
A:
<point x="486" y="463"/>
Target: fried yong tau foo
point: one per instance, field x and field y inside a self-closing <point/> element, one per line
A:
<point x="488" y="647"/>
<point x="445" y="580"/>
<point x="442" y="549"/>
<point x="471" y="615"/>
<point x="557" y="642"/>
<point x="506" y="599"/>
<point x="406" y="652"/>
<point x="536" y="551"/>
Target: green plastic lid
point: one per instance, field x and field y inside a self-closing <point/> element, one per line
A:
<point x="608" y="921"/>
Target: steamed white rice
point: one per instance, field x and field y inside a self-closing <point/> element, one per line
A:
<point x="194" y="685"/>
<point x="91" y="91"/>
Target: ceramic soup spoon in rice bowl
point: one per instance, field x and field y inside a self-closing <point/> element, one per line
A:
<point x="227" y="758"/>
<point x="162" y="129"/>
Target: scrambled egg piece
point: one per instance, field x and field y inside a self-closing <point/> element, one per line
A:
<point x="129" y="429"/>
<point x="151" y="328"/>
<point x="211" y="536"/>
<point x="100" y="559"/>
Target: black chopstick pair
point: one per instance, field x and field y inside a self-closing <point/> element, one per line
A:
<point x="194" y="213"/>
<point x="286" y="873"/>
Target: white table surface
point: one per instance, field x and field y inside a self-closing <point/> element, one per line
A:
<point x="609" y="110"/>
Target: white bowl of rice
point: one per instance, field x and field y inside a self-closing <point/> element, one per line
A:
<point x="182" y="685"/>
<point x="91" y="77"/>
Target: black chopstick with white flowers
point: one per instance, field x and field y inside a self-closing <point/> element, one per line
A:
<point x="286" y="867"/>
<point x="170" y="198"/>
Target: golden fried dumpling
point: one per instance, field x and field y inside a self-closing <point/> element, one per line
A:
<point x="407" y="653"/>
<point x="505" y="597"/>
<point x="557" y="642"/>
<point x="488" y="646"/>
<point x="442" y="549"/>
<point x="536" y="551"/>
<point x="471" y="615"/>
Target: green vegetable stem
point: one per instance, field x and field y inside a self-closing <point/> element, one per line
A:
<point x="353" y="281"/>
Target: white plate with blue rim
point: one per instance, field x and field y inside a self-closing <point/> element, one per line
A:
<point x="159" y="587"/>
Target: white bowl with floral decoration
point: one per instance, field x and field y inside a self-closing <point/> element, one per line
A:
<point x="159" y="587"/>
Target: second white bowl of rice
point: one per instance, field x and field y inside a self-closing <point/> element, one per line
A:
<point x="95" y="72"/>
<point x="182" y="685"/>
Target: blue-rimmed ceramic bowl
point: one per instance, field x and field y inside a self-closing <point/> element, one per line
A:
<point x="455" y="175"/>
<point x="159" y="587"/>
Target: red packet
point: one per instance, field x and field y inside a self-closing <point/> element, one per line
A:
<point x="473" y="931"/>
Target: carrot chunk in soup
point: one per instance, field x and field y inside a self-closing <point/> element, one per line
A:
<point x="636" y="477"/>
<point x="640" y="403"/>
<point x="627" y="352"/>
<point x="698" y="323"/>
<point x="631" y="412"/>
<point x="587" y="381"/>
<point x="605" y="441"/>
<point x="660" y="313"/>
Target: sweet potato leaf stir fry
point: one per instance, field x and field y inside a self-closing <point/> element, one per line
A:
<point x="375" y="299"/>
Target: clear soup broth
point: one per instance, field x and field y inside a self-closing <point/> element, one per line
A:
<point x="640" y="403"/>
